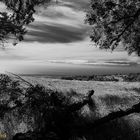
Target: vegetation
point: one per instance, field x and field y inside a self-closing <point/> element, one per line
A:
<point x="92" y="78"/>
<point x="132" y="77"/>
<point x="56" y="115"/>
<point x="115" y="22"/>
<point x="53" y="112"/>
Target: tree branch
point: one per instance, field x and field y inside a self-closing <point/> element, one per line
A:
<point x="22" y="79"/>
<point x="111" y="116"/>
<point x="135" y="16"/>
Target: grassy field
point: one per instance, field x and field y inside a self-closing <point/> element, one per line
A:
<point x="101" y="88"/>
<point x="108" y="97"/>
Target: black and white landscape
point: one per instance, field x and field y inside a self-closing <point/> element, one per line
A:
<point x="69" y="70"/>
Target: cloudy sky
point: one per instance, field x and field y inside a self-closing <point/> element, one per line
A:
<point x="59" y="37"/>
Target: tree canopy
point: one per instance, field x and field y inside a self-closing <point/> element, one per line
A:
<point x="19" y="14"/>
<point x="115" y="22"/>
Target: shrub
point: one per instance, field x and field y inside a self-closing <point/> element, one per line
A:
<point x="53" y="111"/>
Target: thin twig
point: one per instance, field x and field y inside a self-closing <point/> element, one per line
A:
<point x="22" y="79"/>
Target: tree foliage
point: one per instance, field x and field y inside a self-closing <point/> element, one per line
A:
<point x="115" y="22"/>
<point x="20" y="14"/>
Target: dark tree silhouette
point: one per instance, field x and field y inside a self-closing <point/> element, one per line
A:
<point x="115" y="22"/>
<point x="21" y="14"/>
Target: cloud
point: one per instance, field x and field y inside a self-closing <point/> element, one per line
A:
<point x="95" y="63"/>
<point x="52" y="58"/>
<point x="80" y="50"/>
<point x="58" y="24"/>
<point x="56" y="33"/>
<point x="7" y="54"/>
<point x="77" y="4"/>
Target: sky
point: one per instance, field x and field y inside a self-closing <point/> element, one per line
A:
<point x="59" y="37"/>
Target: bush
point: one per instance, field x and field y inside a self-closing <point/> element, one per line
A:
<point x="53" y="112"/>
<point x="10" y="93"/>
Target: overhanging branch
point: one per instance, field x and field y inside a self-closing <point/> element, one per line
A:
<point x="134" y="18"/>
<point x="111" y="116"/>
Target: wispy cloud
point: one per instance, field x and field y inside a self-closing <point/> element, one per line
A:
<point x="58" y="23"/>
<point x="53" y="33"/>
<point x="95" y="63"/>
